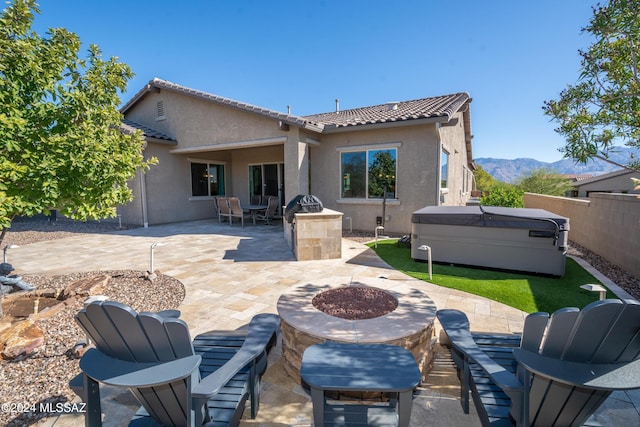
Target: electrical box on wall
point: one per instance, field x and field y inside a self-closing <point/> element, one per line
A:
<point x="378" y="220"/>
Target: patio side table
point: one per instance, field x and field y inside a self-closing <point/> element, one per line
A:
<point x="360" y="367"/>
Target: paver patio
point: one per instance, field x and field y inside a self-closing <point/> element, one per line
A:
<point x="231" y="273"/>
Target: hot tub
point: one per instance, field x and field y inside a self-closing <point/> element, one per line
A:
<point x="519" y="239"/>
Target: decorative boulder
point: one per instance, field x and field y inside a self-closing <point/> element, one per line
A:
<point x="20" y="340"/>
<point x="85" y="287"/>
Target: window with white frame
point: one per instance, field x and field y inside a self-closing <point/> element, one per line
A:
<point x="367" y="174"/>
<point x="207" y="179"/>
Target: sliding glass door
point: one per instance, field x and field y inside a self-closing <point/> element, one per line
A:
<point x="267" y="180"/>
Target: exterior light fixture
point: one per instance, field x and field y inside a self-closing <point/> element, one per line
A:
<point x="4" y="252"/>
<point x="378" y="228"/>
<point x="427" y="249"/>
<point x="151" y="266"/>
<point x="596" y="288"/>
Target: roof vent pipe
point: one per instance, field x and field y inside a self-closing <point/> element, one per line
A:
<point x="288" y="110"/>
<point x="337" y="105"/>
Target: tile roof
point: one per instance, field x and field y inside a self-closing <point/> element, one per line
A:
<point x="439" y="107"/>
<point x="576" y="177"/>
<point x="129" y="126"/>
<point x="166" y="85"/>
<point x="602" y="177"/>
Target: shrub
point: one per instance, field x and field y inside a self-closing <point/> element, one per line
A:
<point x="503" y="195"/>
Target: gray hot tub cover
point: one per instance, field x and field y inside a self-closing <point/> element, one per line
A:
<point x="491" y="216"/>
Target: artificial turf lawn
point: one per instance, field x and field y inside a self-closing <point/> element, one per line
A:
<point x="526" y="292"/>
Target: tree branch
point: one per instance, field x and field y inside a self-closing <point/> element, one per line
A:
<point x="603" y="158"/>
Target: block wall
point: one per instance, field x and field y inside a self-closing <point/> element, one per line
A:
<point x="605" y="223"/>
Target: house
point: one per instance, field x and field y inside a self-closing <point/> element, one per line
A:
<point x="418" y="151"/>
<point x="614" y="182"/>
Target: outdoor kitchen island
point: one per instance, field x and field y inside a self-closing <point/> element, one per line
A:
<point x="315" y="235"/>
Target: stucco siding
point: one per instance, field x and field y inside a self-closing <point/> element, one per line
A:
<point x="615" y="184"/>
<point x="194" y="122"/>
<point x="453" y="141"/>
<point x="131" y="213"/>
<point x="416" y="180"/>
<point x="214" y="131"/>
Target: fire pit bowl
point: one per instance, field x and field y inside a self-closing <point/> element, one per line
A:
<point x="409" y="325"/>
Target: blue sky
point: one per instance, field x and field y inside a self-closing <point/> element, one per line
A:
<point x="508" y="55"/>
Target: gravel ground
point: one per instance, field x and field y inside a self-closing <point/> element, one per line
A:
<point x="43" y="378"/>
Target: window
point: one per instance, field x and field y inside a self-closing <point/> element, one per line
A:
<point x="444" y="169"/>
<point x="465" y="180"/>
<point x="207" y="179"/>
<point x="368" y="174"/>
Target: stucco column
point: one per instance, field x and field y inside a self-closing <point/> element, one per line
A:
<point x="296" y="165"/>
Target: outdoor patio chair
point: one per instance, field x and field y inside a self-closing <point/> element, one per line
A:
<point x="563" y="368"/>
<point x="223" y="208"/>
<point x="256" y="199"/>
<point x="216" y="209"/>
<point x="236" y="211"/>
<point x="270" y="212"/>
<point x="178" y="382"/>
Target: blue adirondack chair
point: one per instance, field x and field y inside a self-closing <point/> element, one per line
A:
<point x="563" y="368"/>
<point x="178" y="382"/>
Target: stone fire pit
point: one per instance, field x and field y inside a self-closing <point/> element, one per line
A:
<point x="409" y="325"/>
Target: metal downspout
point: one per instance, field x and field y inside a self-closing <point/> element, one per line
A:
<point x="439" y="167"/>
<point x="143" y="196"/>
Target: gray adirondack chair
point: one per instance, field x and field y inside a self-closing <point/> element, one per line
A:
<point x="178" y="382"/>
<point x="564" y="368"/>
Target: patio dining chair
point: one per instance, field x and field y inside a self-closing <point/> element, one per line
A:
<point x="223" y="208"/>
<point x="236" y="211"/>
<point x="178" y="382"/>
<point x="269" y="212"/>
<point x="557" y="374"/>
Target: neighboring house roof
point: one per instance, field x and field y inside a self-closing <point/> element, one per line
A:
<point x="441" y="108"/>
<point x="129" y="126"/>
<point x="575" y="177"/>
<point x="156" y="84"/>
<point x="605" y="176"/>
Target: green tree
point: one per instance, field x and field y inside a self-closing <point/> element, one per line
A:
<point x="603" y="108"/>
<point x="544" y="181"/>
<point x="502" y="194"/>
<point x="484" y="181"/>
<point x="61" y="146"/>
<point x="382" y="174"/>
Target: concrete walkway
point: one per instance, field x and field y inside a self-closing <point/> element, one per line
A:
<point x="231" y="273"/>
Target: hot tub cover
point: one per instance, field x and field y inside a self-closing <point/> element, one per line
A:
<point x="491" y="216"/>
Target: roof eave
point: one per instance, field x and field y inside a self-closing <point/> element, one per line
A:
<point x="385" y="125"/>
<point x="160" y="140"/>
<point x="137" y="97"/>
<point x="156" y="85"/>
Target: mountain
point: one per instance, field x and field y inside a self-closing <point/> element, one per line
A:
<point x="512" y="170"/>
